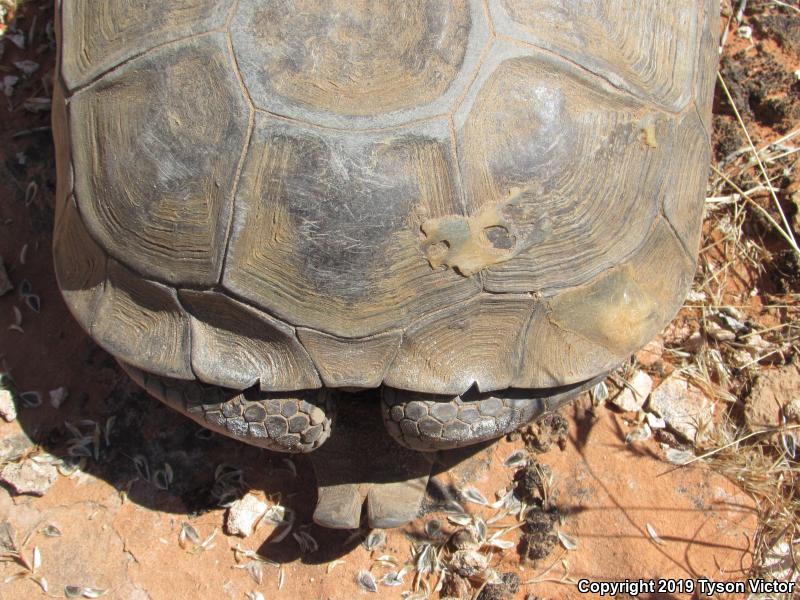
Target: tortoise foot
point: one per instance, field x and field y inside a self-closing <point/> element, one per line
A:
<point x="361" y="462"/>
<point x="293" y="422"/>
<point x="427" y="422"/>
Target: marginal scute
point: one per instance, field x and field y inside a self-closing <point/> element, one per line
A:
<point x="477" y="342"/>
<point x="555" y="356"/>
<point x="235" y="346"/>
<point x="326" y="230"/>
<point x="358" y="363"/>
<point x="591" y="329"/>
<point x="61" y="143"/>
<point x="613" y="311"/>
<point x="103" y="34"/>
<point x="647" y="48"/>
<point x="706" y="78"/>
<point x="80" y="264"/>
<point x="141" y="323"/>
<point x="156" y="145"/>
<point x="682" y="203"/>
<point x="573" y="154"/>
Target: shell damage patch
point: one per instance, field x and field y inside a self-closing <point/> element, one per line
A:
<point x="469" y="244"/>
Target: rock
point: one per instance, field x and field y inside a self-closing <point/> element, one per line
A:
<point x="770" y="396"/>
<point x="5" y="283"/>
<point x="632" y="400"/>
<point x="654" y="421"/>
<point x="468" y="563"/>
<point x="29" y="477"/>
<point x="14" y="447"/>
<point x="58" y="396"/>
<point x="651" y="353"/>
<point x="694" y="342"/>
<point x="244" y="514"/>
<point x="684" y="407"/>
<point x="792" y="411"/>
<point x="456" y="587"/>
<point x="8" y="408"/>
<point x="505" y="589"/>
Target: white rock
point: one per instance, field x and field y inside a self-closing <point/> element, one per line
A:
<point x="244" y="514"/>
<point x="792" y="410"/>
<point x="29" y="477"/>
<point x="685" y="408"/>
<point x="655" y="421"/>
<point x="8" y="408"/>
<point x="14" y="446"/>
<point x="9" y="81"/>
<point x="58" y="396"/>
<point x="632" y="400"/>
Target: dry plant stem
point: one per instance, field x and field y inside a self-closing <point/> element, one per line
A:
<point x="786" y="5"/>
<point x="740" y="11"/>
<point x="788" y="237"/>
<point x="734" y="442"/>
<point x="788" y="231"/>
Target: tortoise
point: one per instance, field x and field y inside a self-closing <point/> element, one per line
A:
<point x="479" y="208"/>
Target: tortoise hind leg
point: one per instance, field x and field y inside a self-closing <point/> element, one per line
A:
<point x="293" y="422"/>
<point x="360" y="462"/>
<point x="427" y="422"/>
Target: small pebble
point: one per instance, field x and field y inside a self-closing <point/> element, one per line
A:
<point x="29" y="477"/>
<point x="8" y="408"/>
<point x="28" y="67"/>
<point x="632" y="400"/>
<point x="9" y="81"/>
<point x="244" y="514"/>
<point x="684" y="407"/>
<point x="655" y="421"/>
<point x="58" y="396"/>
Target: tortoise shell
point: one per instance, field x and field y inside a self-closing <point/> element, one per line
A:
<point x="430" y="195"/>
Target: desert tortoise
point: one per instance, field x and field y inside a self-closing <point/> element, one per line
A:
<point x="478" y="206"/>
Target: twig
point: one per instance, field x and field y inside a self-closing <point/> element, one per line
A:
<point x="785" y="5"/>
<point x="789" y="239"/>
<point x="789" y="235"/>
<point x="736" y="441"/>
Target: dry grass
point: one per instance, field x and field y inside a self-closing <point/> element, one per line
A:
<point x="750" y="244"/>
<point x="761" y="464"/>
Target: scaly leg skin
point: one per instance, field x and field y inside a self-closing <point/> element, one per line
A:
<point x="293" y="422"/>
<point x="428" y="422"/>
